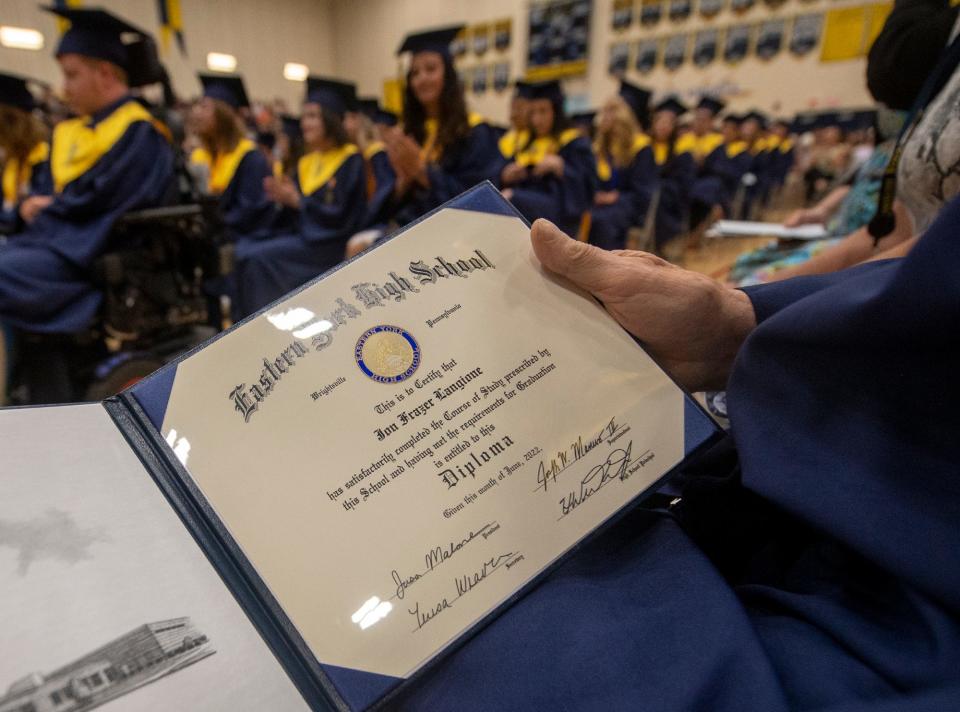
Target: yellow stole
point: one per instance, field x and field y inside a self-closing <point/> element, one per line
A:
<point x="373" y="149"/>
<point x="736" y="148"/>
<point x="77" y="147"/>
<point x="16" y="176"/>
<point x="605" y="170"/>
<point x="432" y="153"/>
<point x="540" y="148"/>
<point x="511" y="142"/>
<point x="786" y="145"/>
<point x="224" y="165"/>
<point x="706" y="144"/>
<point x="318" y="167"/>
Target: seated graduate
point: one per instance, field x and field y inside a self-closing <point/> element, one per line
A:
<point x="677" y="170"/>
<point x="363" y="128"/>
<point x="706" y="138"/>
<point x="112" y="159"/>
<point x="518" y="135"/>
<point x="782" y="149"/>
<point x="23" y="141"/>
<point x="555" y="175"/>
<point x="442" y="148"/>
<point x="328" y="193"/>
<point x="231" y="161"/>
<point x="626" y="170"/>
<point x="720" y="176"/>
<point x="812" y="561"/>
<point x="753" y="130"/>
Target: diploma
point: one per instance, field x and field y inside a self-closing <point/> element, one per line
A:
<point x="403" y="445"/>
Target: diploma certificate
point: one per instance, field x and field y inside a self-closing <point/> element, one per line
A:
<point x="401" y="446"/>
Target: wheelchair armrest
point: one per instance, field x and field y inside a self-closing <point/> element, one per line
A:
<point x="164" y="213"/>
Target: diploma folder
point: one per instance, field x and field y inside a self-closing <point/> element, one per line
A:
<point x="369" y="464"/>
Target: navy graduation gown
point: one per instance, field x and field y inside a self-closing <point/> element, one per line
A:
<point x="822" y="572"/>
<point x="472" y="160"/>
<point x="247" y="212"/>
<point x="677" y="173"/>
<point x="329" y="215"/>
<point x="382" y="181"/>
<point x="565" y="200"/>
<point x="39" y="183"/>
<point x="720" y="178"/>
<point x="637" y="182"/>
<point x="44" y="282"/>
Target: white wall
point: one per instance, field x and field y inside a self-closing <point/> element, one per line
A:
<point x="368" y="32"/>
<point x="262" y="35"/>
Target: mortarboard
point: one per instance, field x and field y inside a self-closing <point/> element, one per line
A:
<point x="672" y="104"/>
<point x="522" y="89"/>
<point x="385" y="117"/>
<point x="266" y="139"/>
<point x="732" y="119"/>
<point x="712" y="104"/>
<point x="437" y="40"/>
<point x="368" y="106"/>
<point x="225" y="87"/>
<point x="95" y="33"/>
<point x="757" y="116"/>
<point x="638" y="99"/>
<point x="291" y="126"/>
<point x="14" y="92"/>
<point x="584" y="118"/>
<point x="332" y="94"/>
<point x="546" y="90"/>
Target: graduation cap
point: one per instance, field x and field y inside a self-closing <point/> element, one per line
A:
<point x="267" y="139"/>
<point x="332" y="94"/>
<point x="757" y="116"/>
<point x="584" y="118"/>
<point x="637" y="98"/>
<point x="826" y="119"/>
<point x="732" y="119"/>
<point x="437" y="40"/>
<point x="522" y="89"/>
<point x="711" y="104"/>
<point x="368" y="106"/>
<point x="225" y="87"/>
<point x="95" y="33"/>
<point x="546" y="90"/>
<point x="385" y="117"/>
<point x="865" y="119"/>
<point x="803" y="122"/>
<point x="673" y="105"/>
<point x="14" y="92"/>
<point x="291" y="126"/>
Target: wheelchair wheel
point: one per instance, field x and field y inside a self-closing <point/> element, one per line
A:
<point x="122" y="376"/>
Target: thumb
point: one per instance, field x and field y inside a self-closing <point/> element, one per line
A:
<point x="579" y="262"/>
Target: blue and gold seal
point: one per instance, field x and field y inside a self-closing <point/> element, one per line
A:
<point x="387" y="354"/>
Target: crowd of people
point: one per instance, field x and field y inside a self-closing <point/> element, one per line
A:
<point x="812" y="560"/>
<point x="298" y="194"/>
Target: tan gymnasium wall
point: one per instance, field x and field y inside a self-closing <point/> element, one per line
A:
<point x="261" y="35"/>
<point x="369" y="31"/>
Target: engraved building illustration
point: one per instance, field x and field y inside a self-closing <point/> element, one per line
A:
<point x="142" y="656"/>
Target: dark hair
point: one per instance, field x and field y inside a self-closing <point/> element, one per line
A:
<point x="333" y="127"/>
<point x="453" y="124"/>
<point x="226" y="129"/>
<point x="560" y="123"/>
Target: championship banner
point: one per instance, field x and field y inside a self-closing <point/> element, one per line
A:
<point x="647" y="51"/>
<point x="741" y="6"/>
<point x="458" y="47"/>
<point x="705" y="47"/>
<point x="619" y="59"/>
<point x="479" y="80"/>
<point x="736" y="44"/>
<point x="481" y="39"/>
<point x="171" y="25"/>
<point x="680" y="9"/>
<point x="501" y="76"/>
<point x="559" y="38"/>
<point x="501" y="34"/>
<point x="622" y="14"/>
<point x="843" y="34"/>
<point x="806" y="33"/>
<point x="711" y="8"/>
<point x="770" y="38"/>
<point x="650" y="12"/>
<point x="675" y="52"/>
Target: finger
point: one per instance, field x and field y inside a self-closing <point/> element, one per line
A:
<point x="579" y="262"/>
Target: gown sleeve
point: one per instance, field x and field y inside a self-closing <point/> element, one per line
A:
<point x="641" y="182"/>
<point x="385" y="182"/>
<point x="477" y="159"/>
<point x="246" y="210"/>
<point x="335" y="210"/>
<point x="579" y="183"/>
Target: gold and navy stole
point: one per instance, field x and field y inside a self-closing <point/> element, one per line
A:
<point x="317" y="167"/>
<point x="704" y="145"/>
<point x="604" y="165"/>
<point x="77" y="146"/>
<point x="432" y="153"/>
<point x="735" y="149"/>
<point x="786" y="145"/>
<point x="369" y="152"/>
<point x="17" y="175"/>
<point x="511" y="142"/>
<point x="759" y="146"/>
<point x="540" y="148"/>
<point x="223" y="166"/>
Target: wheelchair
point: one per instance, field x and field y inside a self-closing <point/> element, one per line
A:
<point x="154" y="307"/>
